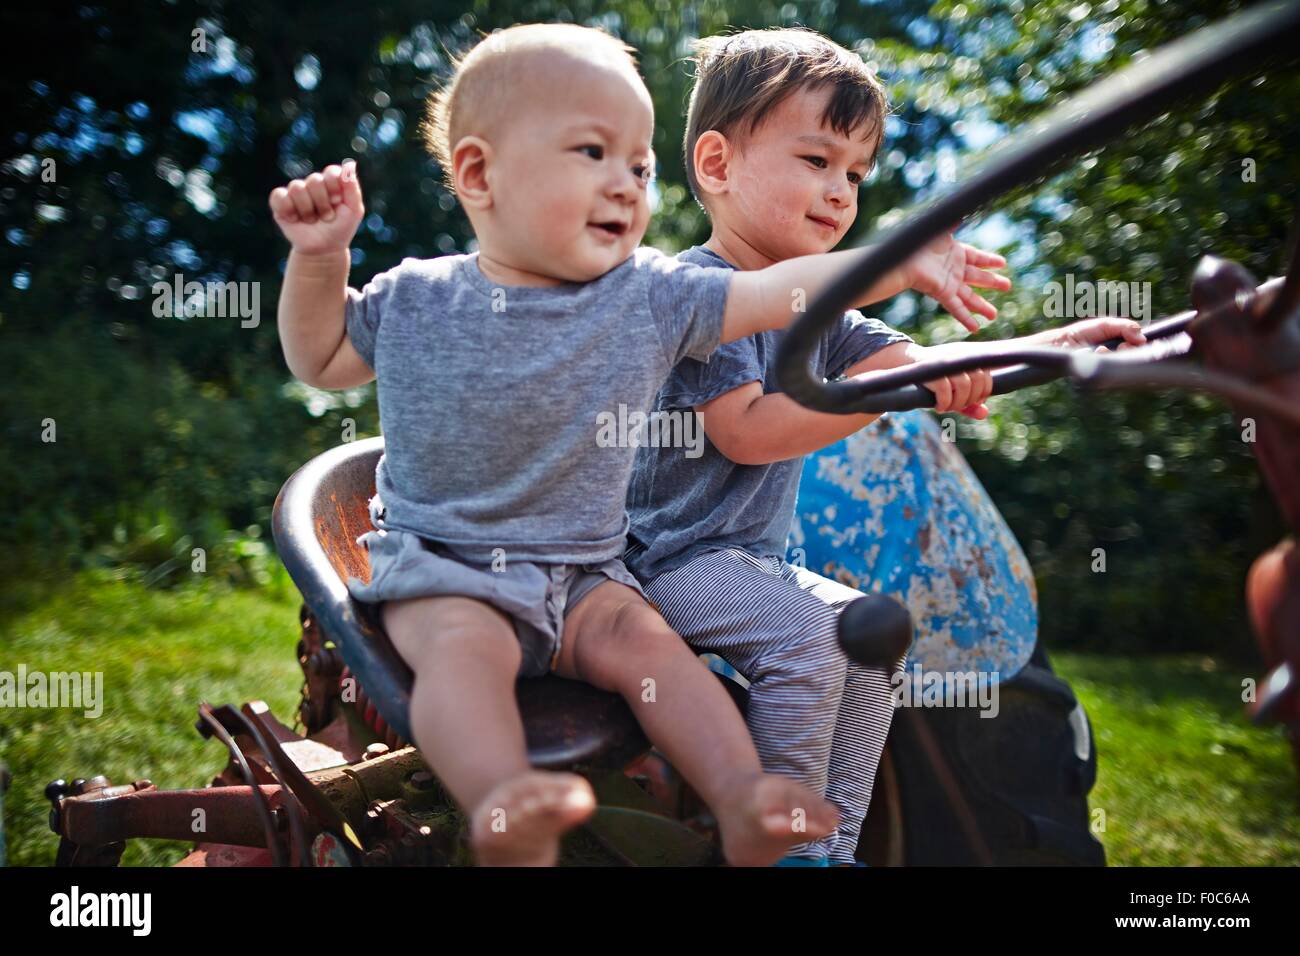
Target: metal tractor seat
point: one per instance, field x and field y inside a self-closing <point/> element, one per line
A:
<point x="318" y="516"/>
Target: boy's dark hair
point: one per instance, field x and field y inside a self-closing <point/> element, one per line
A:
<point x="741" y="78"/>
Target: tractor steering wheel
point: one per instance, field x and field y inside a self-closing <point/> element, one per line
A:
<point x="1237" y="45"/>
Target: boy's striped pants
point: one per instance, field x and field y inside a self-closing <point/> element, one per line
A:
<point x="814" y="715"/>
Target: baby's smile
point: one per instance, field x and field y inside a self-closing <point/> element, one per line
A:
<point x="612" y="228"/>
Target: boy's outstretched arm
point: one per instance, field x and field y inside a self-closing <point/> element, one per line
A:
<point x="319" y="216"/>
<point x="752" y="428"/>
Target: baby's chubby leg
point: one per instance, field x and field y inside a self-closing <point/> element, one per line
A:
<point x="614" y="640"/>
<point x="466" y="722"/>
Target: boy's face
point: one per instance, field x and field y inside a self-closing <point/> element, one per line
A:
<point x="793" y="183"/>
<point x="570" y="172"/>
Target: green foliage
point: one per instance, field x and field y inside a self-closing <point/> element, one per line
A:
<point x="176" y="433"/>
<point x="121" y="458"/>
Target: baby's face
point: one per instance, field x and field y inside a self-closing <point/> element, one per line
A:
<point x="793" y="183"/>
<point x="570" y="174"/>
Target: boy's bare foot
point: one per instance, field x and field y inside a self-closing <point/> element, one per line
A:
<point x="520" y="821"/>
<point x="766" y="815"/>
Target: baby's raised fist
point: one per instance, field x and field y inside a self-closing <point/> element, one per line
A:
<point x="320" y="214"/>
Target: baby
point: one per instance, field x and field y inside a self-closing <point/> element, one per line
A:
<point x="782" y="127"/>
<point x="499" y="517"/>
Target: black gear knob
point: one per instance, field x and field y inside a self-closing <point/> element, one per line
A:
<point x="875" y="630"/>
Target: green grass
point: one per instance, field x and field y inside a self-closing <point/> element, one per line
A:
<point x="1183" y="778"/>
<point x="161" y="652"/>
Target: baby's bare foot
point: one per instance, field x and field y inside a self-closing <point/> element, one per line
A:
<point x="519" y="823"/>
<point x="766" y="815"/>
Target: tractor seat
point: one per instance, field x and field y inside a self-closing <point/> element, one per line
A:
<point x="318" y="516"/>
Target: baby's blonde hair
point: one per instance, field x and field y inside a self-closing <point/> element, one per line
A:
<point x="479" y="91"/>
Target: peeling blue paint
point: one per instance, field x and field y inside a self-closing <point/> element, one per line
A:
<point x="897" y="510"/>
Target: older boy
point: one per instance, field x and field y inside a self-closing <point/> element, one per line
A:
<point x="782" y="127"/>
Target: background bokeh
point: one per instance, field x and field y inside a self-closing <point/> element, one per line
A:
<point x="175" y="433"/>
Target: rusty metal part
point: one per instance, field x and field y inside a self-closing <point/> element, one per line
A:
<point x="113" y="814"/>
<point x="324" y="814"/>
<point x="1098" y="371"/>
<point x="367" y="711"/>
<point x="1273" y="598"/>
<point x="94" y="819"/>
<point x="223" y="854"/>
<point x="103" y="850"/>
<point x="316" y="520"/>
<point x="270" y="747"/>
<point x="399" y="837"/>
<point x="337" y="744"/>
<point x="322" y="668"/>
<point x="209" y="725"/>
<point x="1260" y="339"/>
<point x="399" y="773"/>
<point x="308" y="754"/>
<point x="1253" y="339"/>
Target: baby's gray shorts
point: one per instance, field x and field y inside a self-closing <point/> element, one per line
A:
<point x="535" y="596"/>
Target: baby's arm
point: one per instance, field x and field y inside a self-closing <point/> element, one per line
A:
<point x="945" y="269"/>
<point x="766" y="299"/>
<point x="319" y="216"/>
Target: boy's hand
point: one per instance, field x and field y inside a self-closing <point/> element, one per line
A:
<point x="1088" y="332"/>
<point x="320" y="214"/>
<point x="946" y="269"/>
<point x="964" y="392"/>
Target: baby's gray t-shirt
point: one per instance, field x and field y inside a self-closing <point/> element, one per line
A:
<point x="496" y="402"/>
<point x="683" y="505"/>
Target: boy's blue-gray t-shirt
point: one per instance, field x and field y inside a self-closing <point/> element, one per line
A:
<point x="683" y="502"/>
<point x="500" y="405"/>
